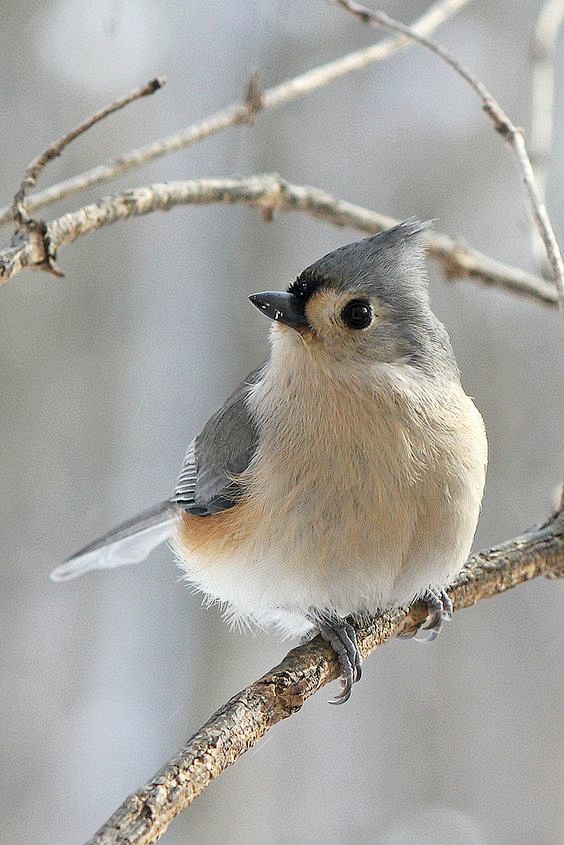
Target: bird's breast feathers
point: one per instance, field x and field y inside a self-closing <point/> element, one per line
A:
<point x="365" y="489"/>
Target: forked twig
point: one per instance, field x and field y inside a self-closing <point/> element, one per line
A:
<point x="501" y="121"/>
<point x="239" y="113"/>
<point x="24" y="222"/>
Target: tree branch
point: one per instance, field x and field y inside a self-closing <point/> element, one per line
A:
<point x="547" y="27"/>
<point x="269" y="193"/>
<point x="243" y="113"/>
<point x="35" y="231"/>
<point x="501" y="122"/>
<point x="19" y="206"/>
<point x="146" y="814"/>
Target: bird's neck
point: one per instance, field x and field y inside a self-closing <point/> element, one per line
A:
<point x="301" y="367"/>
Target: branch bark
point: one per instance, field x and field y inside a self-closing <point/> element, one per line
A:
<point x="243" y="113"/>
<point x="146" y="814"/>
<point x="268" y="193"/>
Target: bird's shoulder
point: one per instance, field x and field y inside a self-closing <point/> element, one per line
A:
<point x="223" y="449"/>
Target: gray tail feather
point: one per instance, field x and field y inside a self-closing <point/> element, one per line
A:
<point x="130" y="542"/>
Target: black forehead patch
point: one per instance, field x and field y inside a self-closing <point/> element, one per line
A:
<point x="303" y="288"/>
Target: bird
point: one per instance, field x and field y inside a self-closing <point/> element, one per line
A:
<point x="344" y="476"/>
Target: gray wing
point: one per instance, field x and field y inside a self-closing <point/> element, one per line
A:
<point x="224" y="447"/>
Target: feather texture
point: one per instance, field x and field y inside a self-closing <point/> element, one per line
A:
<point x="130" y="542"/>
<point x="225" y="447"/>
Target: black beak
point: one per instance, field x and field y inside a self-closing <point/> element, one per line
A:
<point x="279" y="306"/>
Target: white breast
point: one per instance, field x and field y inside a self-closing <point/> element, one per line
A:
<point x="365" y="490"/>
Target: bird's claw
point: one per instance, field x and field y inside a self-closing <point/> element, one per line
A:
<point x="439" y="611"/>
<point x="341" y="636"/>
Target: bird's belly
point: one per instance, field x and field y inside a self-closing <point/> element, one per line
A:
<point x="321" y="544"/>
<point x="350" y="505"/>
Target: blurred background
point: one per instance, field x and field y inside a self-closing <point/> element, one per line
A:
<point x="107" y="374"/>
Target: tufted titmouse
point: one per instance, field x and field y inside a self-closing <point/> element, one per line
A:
<point x="343" y="476"/>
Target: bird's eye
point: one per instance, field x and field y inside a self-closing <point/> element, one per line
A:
<point x="357" y="314"/>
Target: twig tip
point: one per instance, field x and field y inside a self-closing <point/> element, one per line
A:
<point x="155" y="84"/>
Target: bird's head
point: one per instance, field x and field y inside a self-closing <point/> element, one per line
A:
<point x="365" y="302"/>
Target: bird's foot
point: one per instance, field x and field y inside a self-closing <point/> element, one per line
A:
<point x="341" y="636"/>
<point x="439" y="611"/>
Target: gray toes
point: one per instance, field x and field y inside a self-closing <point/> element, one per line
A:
<point x="341" y="636"/>
<point x="448" y="608"/>
<point x="353" y="652"/>
<point x="435" y="610"/>
<point x="347" y="681"/>
<point x="439" y="611"/>
<point x="429" y="637"/>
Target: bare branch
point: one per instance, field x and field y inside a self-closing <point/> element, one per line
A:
<point x="32" y="173"/>
<point x="501" y="122"/>
<point x="547" y="27"/>
<point x="268" y="193"/>
<point x="239" y="113"/>
<point x="146" y="814"/>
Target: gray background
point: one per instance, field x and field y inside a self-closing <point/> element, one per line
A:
<point x="106" y="374"/>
